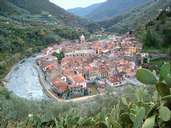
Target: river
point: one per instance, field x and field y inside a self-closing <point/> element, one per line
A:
<point x="23" y="80"/>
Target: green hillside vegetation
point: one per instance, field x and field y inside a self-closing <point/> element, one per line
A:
<point x="84" y="11"/>
<point x="155" y="36"/>
<point x="135" y="18"/>
<point x="28" y="26"/>
<point x="147" y="106"/>
<point x="112" y="8"/>
<point x="7" y="8"/>
<point x="11" y="8"/>
<point x="18" y="41"/>
<point x="157" y="33"/>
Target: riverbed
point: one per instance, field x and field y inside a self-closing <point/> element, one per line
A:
<point x="23" y="80"/>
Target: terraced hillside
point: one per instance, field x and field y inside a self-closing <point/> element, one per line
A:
<point x="27" y="26"/>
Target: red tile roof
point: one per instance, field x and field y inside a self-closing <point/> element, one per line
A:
<point x="61" y="86"/>
<point x="78" y="78"/>
<point x="50" y="66"/>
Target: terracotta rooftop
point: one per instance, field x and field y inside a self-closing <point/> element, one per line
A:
<point x="78" y="78"/>
<point x="61" y="86"/>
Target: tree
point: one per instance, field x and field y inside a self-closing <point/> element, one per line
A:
<point x="59" y="55"/>
<point x="150" y="39"/>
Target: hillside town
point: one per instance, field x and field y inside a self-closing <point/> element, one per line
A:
<point x="88" y="68"/>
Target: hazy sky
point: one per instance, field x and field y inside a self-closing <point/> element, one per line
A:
<point x="67" y="4"/>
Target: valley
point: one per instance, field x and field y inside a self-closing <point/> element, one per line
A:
<point x="62" y="72"/>
<point x="102" y="66"/>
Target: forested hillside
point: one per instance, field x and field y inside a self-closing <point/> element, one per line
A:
<point x="135" y="18"/>
<point x="157" y="33"/>
<point x="83" y="12"/>
<point x="112" y="8"/>
<point x="38" y="7"/>
<point x="27" y="26"/>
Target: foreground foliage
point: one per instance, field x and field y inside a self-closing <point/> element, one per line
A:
<point x="146" y="106"/>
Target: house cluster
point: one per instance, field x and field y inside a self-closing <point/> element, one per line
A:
<point x="103" y="63"/>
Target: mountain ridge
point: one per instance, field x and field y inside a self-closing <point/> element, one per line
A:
<point x="135" y="17"/>
<point x="80" y="11"/>
<point x="34" y="7"/>
<point x="108" y="9"/>
<point x="113" y="8"/>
